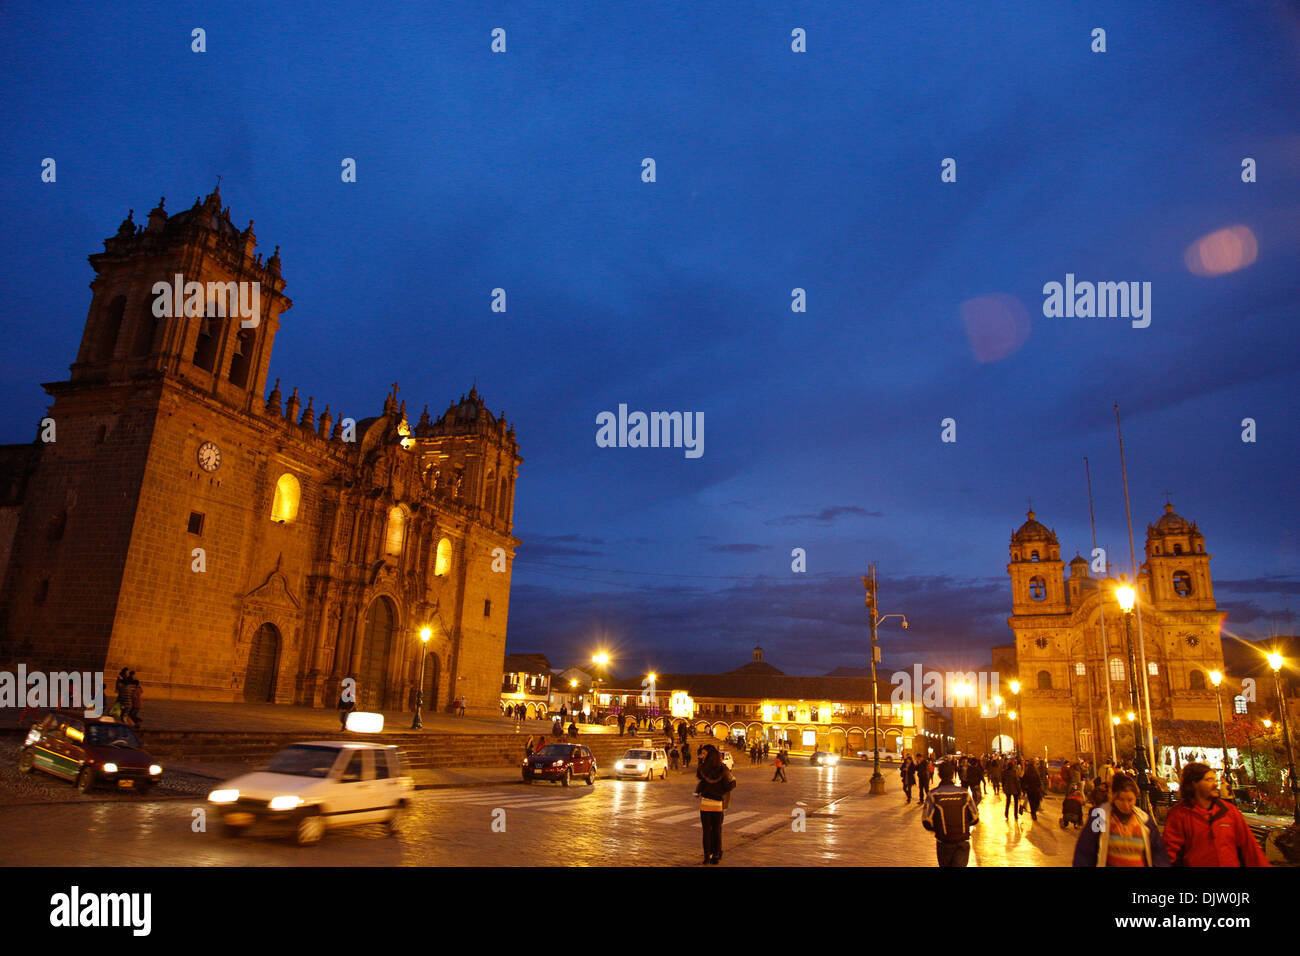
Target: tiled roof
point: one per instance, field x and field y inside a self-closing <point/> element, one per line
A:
<point x="527" y="664"/>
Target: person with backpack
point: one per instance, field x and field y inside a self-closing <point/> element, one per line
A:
<point x="1203" y="830"/>
<point x="714" y="784"/>
<point x="949" y="813"/>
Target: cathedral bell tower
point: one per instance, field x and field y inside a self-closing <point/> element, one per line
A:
<point x="1178" y="565"/>
<point x="1037" y="572"/>
<point x="183" y="295"/>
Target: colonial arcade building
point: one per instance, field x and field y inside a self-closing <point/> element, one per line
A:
<point x="231" y="546"/>
<point x="1065" y="666"/>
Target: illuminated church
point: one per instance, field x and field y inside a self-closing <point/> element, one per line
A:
<point x="1064" y="666"/>
<point x="230" y="544"/>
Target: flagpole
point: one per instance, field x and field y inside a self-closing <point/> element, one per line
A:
<point x="1101" y="588"/>
<point x="1132" y="553"/>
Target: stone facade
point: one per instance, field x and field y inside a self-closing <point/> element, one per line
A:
<point x="1059" y="660"/>
<point x="228" y="547"/>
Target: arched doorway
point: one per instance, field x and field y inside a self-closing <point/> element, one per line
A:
<point x="430" y="687"/>
<point x="376" y="645"/>
<point x="263" y="656"/>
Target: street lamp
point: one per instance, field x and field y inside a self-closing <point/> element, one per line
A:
<point x="963" y="693"/>
<point x="997" y="704"/>
<point x="984" y="713"/>
<point x="1275" y="661"/>
<point x="1020" y="740"/>
<point x="869" y="583"/>
<point x="1216" y="678"/>
<point x="418" y="722"/>
<point x="1127" y="598"/>
<point x="1011" y="716"/>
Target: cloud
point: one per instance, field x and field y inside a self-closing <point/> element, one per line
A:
<point x="826" y="515"/>
<point x="740" y="548"/>
<point x="537" y="546"/>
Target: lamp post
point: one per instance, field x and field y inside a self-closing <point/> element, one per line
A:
<point x="997" y="706"/>
<point x="418" y="722"/>
<point x="875" y="617"/>
<point x="1127" y="598"/>
<point x="1020" y="740"/>
<point x="1011" y="716"/>
<point x="963" y="693"/>
<point x="1275" y="661"/>
<point x="1216" y="678"/>
<point x="984" y="713"/>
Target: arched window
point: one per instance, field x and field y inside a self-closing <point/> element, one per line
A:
<point x="111" y="326"/>
<point x="1044" y="680"/>
<point x="288" y="493"/>
<point x="1033" y="555"/>
<point x="1037" y="588"/>
<point x="1178" y="549"/>
<point x="1116" y="669"/>
<point x="503" y="504"/>
<point x="1196" y="680"/>
<point x="1182" y="584"/>
<point x="146" y="325"/>
<point x="442" y="563"/>
<point x="396" y="531"/>
<point x="490" y="498"/>
<point x="243" y="358"/>
<point x="205" y="349"/>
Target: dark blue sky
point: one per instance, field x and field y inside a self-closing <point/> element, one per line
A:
<point x="775" y="170"/>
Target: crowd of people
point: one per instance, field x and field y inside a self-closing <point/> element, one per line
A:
<point x="1202" y="829"/>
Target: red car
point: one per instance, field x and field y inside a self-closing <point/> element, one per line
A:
<point x="91" y="751"/>
<point x="560" y="762"/>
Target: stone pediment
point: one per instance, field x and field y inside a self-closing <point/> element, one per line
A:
<point x="274" y="591"/>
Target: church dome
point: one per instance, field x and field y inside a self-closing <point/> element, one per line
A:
<point x="1171" y="523"/>
<point x="1031" y="530"/>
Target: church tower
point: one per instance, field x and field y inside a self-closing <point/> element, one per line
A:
<point x="1037" y="572"/>
<point x="1178" y="565"/>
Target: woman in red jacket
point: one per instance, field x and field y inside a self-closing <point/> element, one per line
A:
<point x="1203" y="830"/>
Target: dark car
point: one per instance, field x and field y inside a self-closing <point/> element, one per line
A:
<point x="560" y="762"/>
<point x="91" y="751"/>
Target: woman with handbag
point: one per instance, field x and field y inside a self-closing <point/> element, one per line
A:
<point x="714" y="784"/>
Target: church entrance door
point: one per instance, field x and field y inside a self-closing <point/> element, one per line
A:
<point x="376" y="646"/>
<point x="263" y="656"/>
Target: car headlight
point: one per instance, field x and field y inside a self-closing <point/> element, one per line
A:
<point x="285" y="803"/>
<point x="619" y="765"/>
<point x="33" y="735"/>
<point x="110" y="768"/>
<point x="640" y="768"/>
<point x="557" y="763"/>
<point x="155" y="770"/>
<point x="223" y="796"/>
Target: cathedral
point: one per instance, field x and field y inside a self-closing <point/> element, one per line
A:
<point x="230" y="545"/>
<point x="1074" y="680"/>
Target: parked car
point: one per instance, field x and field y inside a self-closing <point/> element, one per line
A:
<point x="560" y="763"/>
<point x="643" y="763"/>
<point x="91" y="751"/>
<point x="309" y="788"/>
<point x="822" y="758"/>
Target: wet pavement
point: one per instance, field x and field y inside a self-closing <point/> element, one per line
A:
<point x="821" y="817"/>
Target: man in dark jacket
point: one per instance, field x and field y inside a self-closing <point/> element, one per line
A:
<point x="908" y="773"/>
<point x="1033" y="787"/>
<point x="975" y="779"/>
<point x="1011" y="787"/>
<point x="923" y="776"/>
<point x="949" y="813"/>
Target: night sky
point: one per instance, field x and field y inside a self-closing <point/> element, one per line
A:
<point x="775" y="170"/>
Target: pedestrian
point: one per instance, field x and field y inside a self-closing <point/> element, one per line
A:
<point x="995" y="775"/>
<point x="949" y="813"/>
<point x="123" y="688"/>
<point x="347" y="704"/>
<point x="923" y="778"/>
<point x="622" y="724"/>
<point x="1032" y="784"/>
<point x="528" y="747"/>
<point x="713" y="786"/>
<point x="779" y="764"/>
<point x="975" y="779"/>
<point x="908" y="773"/>
<point x="686" y="755"/>
<point x="1100" y="792"/>
<point x="557" y="729"/>
<point x="1011" y="787"/>
<point x="137" y="695"/>
<point x="463" y="702"/>
<point x="1107" y="772"/>
<point x="674" y="758"/>
<point x="765" y="749"/>
<point x="573" y="730"/>
<point x="1204" y="830"/>
<point x="1119" y="832"/>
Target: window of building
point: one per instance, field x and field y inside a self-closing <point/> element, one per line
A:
<point x="1044" y="680"/>
<point x="1037" y="587"/>
<point x="205" y="349"/>
<point x="1117" y="669"/>
<point x="1079" y="668"/>
<point x="1196" y="680"/>
<point x="442" y="563"/>
<point x="812" y="712"/>
<point x="789" y="712"/>
<point x="288" y="494"/>
<point x="1178" y="549"/>
<point x="1153" y="668"/>
<point x="396" y="531"/>
<point x="1239" y="704"/>
<point x="110" y="328"/>
<point x="487" y="608"/>
<point x="242" y="361"/>
<point x="1033" y="556"/>
<point x="196" y="523"/>
<point x="1182" y="584"/>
